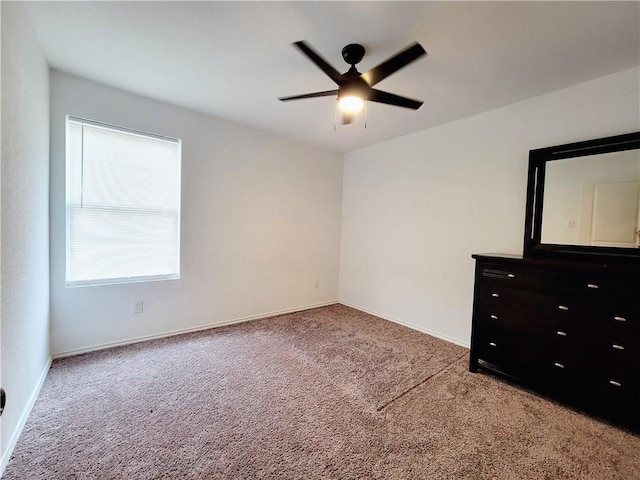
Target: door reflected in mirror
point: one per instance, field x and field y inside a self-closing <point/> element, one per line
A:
<point x="593" y="201"/>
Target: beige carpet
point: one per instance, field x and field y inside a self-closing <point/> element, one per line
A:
<point x="326" y="393"/>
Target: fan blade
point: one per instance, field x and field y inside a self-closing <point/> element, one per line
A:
<point x="392" y="65"/>
<point x="392" y="99"/>
<point x="326" y="93"/>
<point x="319" y="61"/>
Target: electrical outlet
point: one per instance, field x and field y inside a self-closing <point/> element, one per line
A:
<point x="317" y="285"/>
<point x="137" y="306"/>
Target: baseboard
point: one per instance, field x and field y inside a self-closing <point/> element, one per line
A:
<point x="6" y="455"/>
<point x="410" y="325"/>
<point x="171" y="333"/>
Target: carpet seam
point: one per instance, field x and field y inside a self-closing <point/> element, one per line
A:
<point x="422" y="382"/>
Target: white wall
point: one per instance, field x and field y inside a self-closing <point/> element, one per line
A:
<point x="260" y="224"/>
<point x="416" y="208"/>
<point x="24" y="225"/>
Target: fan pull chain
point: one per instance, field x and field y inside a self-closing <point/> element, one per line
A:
<point x="366" y="114"/>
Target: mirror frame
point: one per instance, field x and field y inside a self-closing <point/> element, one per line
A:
<point x="538" y="159"/>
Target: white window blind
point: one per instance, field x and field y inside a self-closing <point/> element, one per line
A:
<point x="123" y="205"/>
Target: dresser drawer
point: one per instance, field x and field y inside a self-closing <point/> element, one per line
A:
<point x="615" y="321"/>
<point x="614" y="286"/>
<point x="514" y="354"/>
<point x="494" y="349"/>
<point x="616" y="397"/>
<point x="619" y="360"/>
<point x="616" y="345"/>
<point x="615" y="386"/>
<point x="531" y="312"/>
<point x="519" y="276"/>
<point x="569" y="338"/>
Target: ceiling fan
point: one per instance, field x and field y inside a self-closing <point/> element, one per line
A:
<point x="354" y="88"/>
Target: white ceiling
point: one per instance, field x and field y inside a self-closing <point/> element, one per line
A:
<point x="233" y="59"/>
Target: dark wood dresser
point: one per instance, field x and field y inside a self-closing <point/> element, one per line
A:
<point x="568" y="330"/>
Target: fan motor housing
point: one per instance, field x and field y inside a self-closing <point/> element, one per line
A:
<point x="354" y="85"/>
<point x="353" y="53"/>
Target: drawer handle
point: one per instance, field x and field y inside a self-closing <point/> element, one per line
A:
<point x="620" y="319"/>
<point x="563" y="308"/>
<point x="614" y="383"/>
<point x="617" y="347"/>
<point x="494" y="317"/>
<point x="592" y="285"/>
<point x="559" y="365"/>
<point x="511" y="275"/>
<point x="492" y="344"/>
<point x="561" y="333"/>
<point x="495" y="295"/>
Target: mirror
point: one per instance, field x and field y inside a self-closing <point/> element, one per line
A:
<point x="593" y="200"/>
<point x="584" y="199"/>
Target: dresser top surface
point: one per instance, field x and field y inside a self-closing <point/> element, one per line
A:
<point x="585" y="265"/>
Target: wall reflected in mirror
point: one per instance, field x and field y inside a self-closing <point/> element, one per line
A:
<point x="593" y="201"/>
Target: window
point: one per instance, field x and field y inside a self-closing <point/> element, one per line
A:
<point x="123" y="205"/>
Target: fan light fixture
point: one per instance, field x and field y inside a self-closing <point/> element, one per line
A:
<point x="350" y="104"/>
